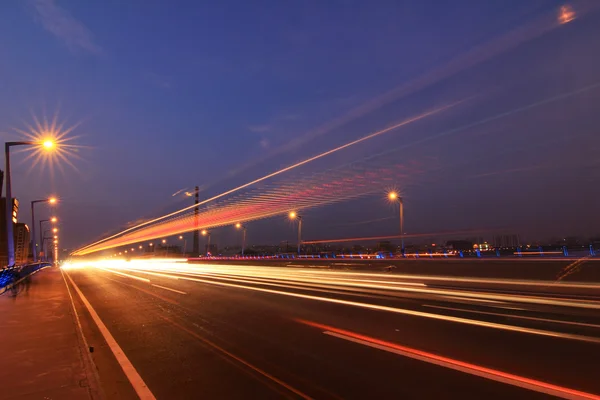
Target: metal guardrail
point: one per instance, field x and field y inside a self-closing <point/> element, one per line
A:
<point x="13" y="275"/>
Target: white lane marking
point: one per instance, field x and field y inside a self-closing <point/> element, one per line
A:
<point x="472" y="369"/>
<point x="125" y="275"/>
<point x="135" y="379"/>
<point x="404" y="311"/>
<point x="89" y="361"/>
<point x="556" y="321"/>
<point x="166" y="288"/>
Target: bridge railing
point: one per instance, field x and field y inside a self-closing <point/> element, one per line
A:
<point x="13" y="275"/>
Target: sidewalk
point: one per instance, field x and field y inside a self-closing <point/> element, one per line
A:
<point x="42" y="355"/>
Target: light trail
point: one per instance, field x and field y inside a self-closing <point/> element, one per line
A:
<point x="321" y="189"/>
<point x="269" y="274"/>
<point x="458" y="365"/>
<point x="414" y="235"/>
<point x="276" y="173"/>
<point x="549" y="320"/>
<point x="233" y="278"/>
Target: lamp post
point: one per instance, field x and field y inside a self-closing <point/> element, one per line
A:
<point x="45" y="240"/>
<point x="50" y="200"/>
<point x="393" y="196"/>
<point x="243" y="228"/>
<point x="44" y="247"/>
<point x="293" y="215"/>
<point x="53" y="219"/>
<point x="207" y="234"/>
<point x="184" y="244"/>
<point x="10" y="240"/>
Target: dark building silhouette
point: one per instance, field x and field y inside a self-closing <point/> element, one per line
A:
<point x="20" y="232"/>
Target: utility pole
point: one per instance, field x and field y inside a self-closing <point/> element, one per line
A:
<point x="196" y="249"/>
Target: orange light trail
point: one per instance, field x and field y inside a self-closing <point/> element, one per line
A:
<point x="278" y="279"/>
<point x="458" y="365"/>
<point x="408" y="121"/>
<point x="279" y="198"/>
<point x="414" y="235"/>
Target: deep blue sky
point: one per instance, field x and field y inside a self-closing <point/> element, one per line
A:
<point x="173" y="94"/>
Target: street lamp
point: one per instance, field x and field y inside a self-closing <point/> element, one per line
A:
<point x="10" y="240"/>
<point x="184" y="243"/>
<point x="243" y="228"/>
<point x="53" y="219"/>
<point x="51" y="200"/>
<point x="293" y="215"/>
<point x="393" y="196"/>
<point x="207" y="234"/>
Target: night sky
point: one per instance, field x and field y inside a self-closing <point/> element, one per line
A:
<point x="168" y="95"/>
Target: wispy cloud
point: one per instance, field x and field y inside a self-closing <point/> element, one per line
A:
<point x="64" y="26"/>
<point x="260" y="128"/>
<point x="264" y="143"/>
<point x="274" y="123"/>
<point x="157" y="80"/>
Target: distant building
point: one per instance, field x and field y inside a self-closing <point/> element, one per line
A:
<point x="510" y="241"/>
<point x="3" y="249"/>
<point x="386" y="246"/>
<point x="463" y="245"/>
<point x="21" y="232"/>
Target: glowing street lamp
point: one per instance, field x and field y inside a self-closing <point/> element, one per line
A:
<point x="55" y="230"/>
<point x="51" y="200"/>
<point x="184" y="244"/>
<point x="294" y="215"/>
<point x="393" y="196"/>
<point x="207" y="234"/>
<point x="53" y="219"/>
<point x="10" y="240"/>
<point x="243" y="228"/>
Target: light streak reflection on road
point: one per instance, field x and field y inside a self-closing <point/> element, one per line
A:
<point x="319" y="277"/>
<point x="288" y="282"/>
<point x="459" y="365"/>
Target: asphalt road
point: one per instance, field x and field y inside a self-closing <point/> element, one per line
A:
<point x="226" y="332"/>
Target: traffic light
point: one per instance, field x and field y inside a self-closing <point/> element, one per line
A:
<point x="15" y="210"/>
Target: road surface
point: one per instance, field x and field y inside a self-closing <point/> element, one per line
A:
<point x="238" y="331"/>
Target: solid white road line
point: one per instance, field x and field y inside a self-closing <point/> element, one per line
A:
<point x="125" y="275"/>
<point x="135" y="379"/>
<point x="166" y="288"/>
